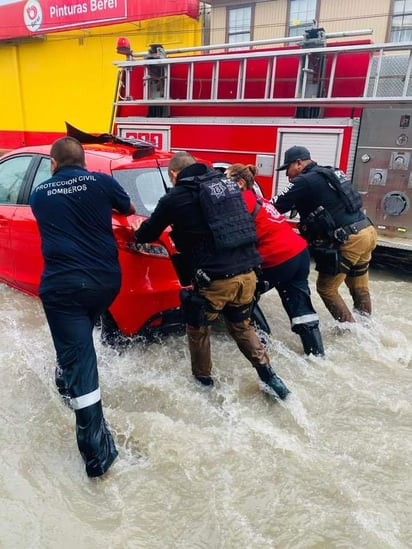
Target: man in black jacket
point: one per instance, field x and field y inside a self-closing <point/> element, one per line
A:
<point x="224" y="280"/>
<point x="342" y="238"/>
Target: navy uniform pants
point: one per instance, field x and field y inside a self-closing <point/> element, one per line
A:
<point x="71" y="315"/>
<point x="291" y="281"/>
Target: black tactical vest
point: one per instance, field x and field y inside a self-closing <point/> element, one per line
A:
<point x="338" y="180"/>
<point x="225" y="212"/>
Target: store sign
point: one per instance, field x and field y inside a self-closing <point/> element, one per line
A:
<point x="31" y="17"/>
<point x="64" y="15"/>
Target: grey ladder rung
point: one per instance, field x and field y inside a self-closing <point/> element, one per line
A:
<point x="380" y="57"/>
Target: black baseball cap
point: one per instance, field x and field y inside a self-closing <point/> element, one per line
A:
<point x="294" y="153"/>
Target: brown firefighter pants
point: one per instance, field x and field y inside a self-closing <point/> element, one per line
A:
<point x="232" y="297"/>
<point x="357" y="250"/>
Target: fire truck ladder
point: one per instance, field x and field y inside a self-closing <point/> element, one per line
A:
<point x="387" y="80"/>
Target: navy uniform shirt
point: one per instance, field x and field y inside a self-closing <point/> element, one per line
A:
<point x="74" y="214"/>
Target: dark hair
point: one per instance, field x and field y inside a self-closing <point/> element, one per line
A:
<point x="246" y="172"/>
<point x="67" y="151"/>
<point x="180" y="160"/>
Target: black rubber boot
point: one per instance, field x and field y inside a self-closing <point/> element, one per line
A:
<point x="312" y="342"/>
<point x="268" y="376"/>
<point x="94" y="440"/>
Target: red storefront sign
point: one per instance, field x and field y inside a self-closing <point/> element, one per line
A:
<point x="33" y="17"/>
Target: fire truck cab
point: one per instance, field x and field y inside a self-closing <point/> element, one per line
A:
<point x="349" y="103"/>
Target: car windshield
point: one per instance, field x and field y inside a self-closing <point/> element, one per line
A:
<point x="145" y="187"/>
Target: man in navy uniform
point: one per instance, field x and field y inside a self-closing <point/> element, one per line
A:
<point x="81" y="278"/>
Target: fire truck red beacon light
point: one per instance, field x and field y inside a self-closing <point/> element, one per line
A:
<point x="123" y="46"/>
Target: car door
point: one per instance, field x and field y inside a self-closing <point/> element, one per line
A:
<point x="24" y="232"/>
<point x="13" y="175"/>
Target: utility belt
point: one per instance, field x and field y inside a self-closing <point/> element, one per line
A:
<point x="319" y="228"/>
<point x="328" y="257"/>
<point x="203" y="280"/>
<point x="230" y="275"/>
<point x="341" y="234"/>
<point x="354" y="228"/>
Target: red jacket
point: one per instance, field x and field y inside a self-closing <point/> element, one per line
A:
<point x="277" y="241"/>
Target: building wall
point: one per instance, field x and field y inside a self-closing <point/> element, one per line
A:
<point x="71" y="77"/>
<point x="270" y="20"/>
<point x="271" y="17"/>
<point x="338" y="16"/>
<point x="218" y="25"/>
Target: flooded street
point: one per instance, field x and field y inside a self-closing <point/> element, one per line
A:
<point x="224" y="468"/>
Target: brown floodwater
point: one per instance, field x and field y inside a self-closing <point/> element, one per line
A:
<point x="224" y="468"/>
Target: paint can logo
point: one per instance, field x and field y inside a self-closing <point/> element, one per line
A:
<point x="33" y="15"/>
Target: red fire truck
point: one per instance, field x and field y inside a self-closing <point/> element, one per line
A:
<point x="349" y="102"/>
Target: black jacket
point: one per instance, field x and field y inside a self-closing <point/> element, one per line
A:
<point x="181" y="209"/>
<point x="308" y="191"/>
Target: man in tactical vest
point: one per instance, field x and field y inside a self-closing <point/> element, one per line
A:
<point x="216" y="237"/>
<point x="341" y="237"/>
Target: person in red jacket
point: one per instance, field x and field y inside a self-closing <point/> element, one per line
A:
<point x="286" y="260"/>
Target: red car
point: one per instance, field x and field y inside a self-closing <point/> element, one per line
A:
<point x="148" y="302"/>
